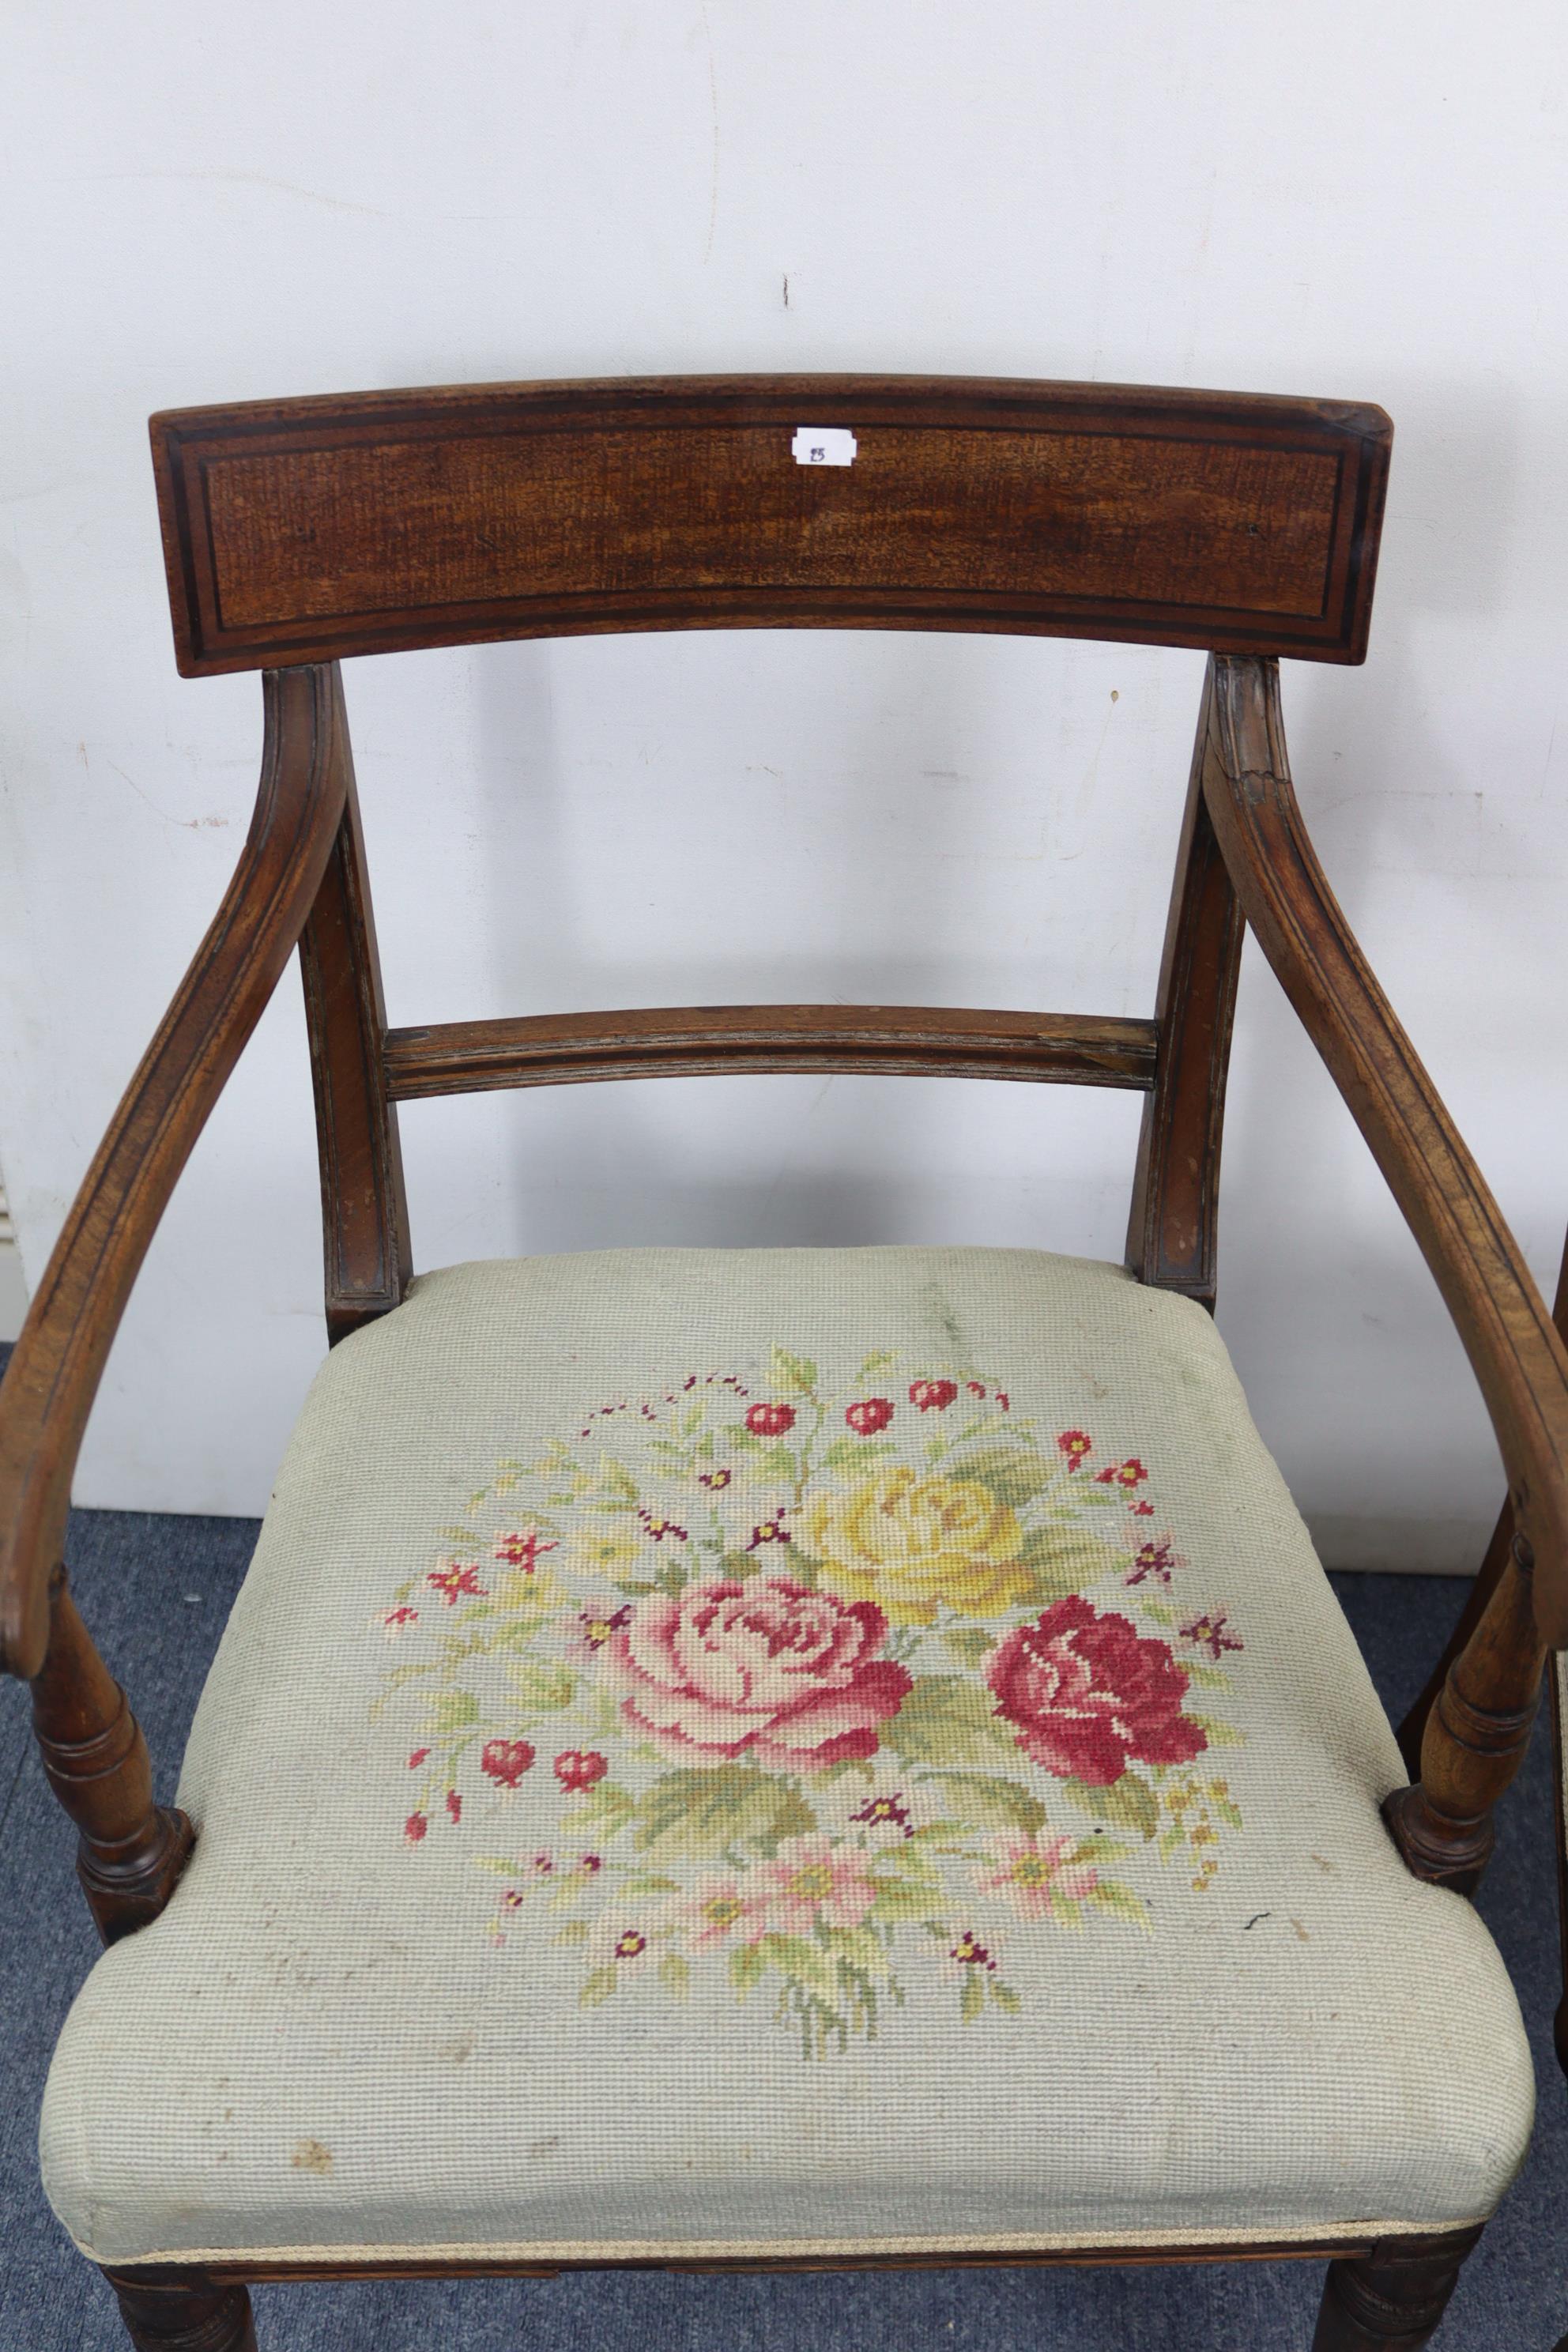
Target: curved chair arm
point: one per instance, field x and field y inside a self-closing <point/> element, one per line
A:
<point x="1501" y="1318"/>
<point x="54" y="1372"/>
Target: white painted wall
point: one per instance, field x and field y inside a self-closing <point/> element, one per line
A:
<point x="1353" y="201"/>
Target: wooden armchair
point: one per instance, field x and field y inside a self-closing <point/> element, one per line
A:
<point x="780" y="1756"/>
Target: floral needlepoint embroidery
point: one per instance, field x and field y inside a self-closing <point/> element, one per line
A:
<point x="770" y="1532"/>
<point x="771" y="1420"/>
<point x="1154" y="1560"/>
<point x="834" y="1690"/>
<point x="1089" y="1695"/>
<point x="1211" y="1633"/>
<point x="932" y="1396"/>
<point x="453" y="1582"/>
<point x="885" y="1813"/>
<point x="523" y="1552"/>
<point x="970" y="1952"/>
<point x="506" y="1761"/>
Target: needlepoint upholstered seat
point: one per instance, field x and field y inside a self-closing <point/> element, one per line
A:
<point x="763" y="1755"/>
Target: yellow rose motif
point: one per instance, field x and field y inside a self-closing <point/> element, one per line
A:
<point x="910" y="1544"/>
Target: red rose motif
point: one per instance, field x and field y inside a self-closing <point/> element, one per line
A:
<point x="932" y="1396"/>
<point x="506" y="1761"/>
<point x="869" y="1416"/>
<point x="1089" y="1695"/>
<point x="767" y="1668"/>
<point x="770" y="1420"/>
<point x="579" y="1767"/>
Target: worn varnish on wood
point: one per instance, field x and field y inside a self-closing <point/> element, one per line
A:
<point x="301" y="530"/>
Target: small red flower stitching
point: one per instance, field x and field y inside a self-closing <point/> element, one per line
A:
<point x="970" y="1953"/>
<point x="414" y="1827"/>
<point x="630" y="1944"/>
<point x="1128" y="1474"/>
<point x="449" y="1582"/>
<point x="514" y="1899"/>
<point x="770" y="1420"/>
<point x="885" y="1813"/>
<point x="1075" y="1444"/>
<point x="522" y="1551"/>
<point x="396" y="1619"/>
<point x="1004" y="1400"/>
<point x="932" y="1396"/>
<point x="714" y="1479"/>
<point x="1152" y="1559"/>
<point x="454" y="1804"/>
<point x="772" y="1530"/>
<point x="506" y="1761"/>
<point x="1211" y="1633"/>
<point x="869" y="1416"/>
<point x="590" y="1862"/>
<point x="1142" y="1510"/>
<point x="659" y="1528"/>
<point x="597" y="1629"/>
<point x="417" y="1759"/>
<point x="975" y="1388"/>
<point x="579" y="1767"/>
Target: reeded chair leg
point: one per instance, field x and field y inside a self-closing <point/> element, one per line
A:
<point x="1392" y="2299"/>
<point x="189" y="2315"/>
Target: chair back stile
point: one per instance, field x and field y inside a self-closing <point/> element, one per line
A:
<point x="304" y="530"/>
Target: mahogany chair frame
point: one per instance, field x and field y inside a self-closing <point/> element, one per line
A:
<point x="298" y="533"/>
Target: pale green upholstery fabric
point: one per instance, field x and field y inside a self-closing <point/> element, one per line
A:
<point x="767" y="1750"/>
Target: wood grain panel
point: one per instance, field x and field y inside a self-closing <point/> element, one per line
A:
<point x="296" y="530"/>
<point x="900" y="1041"/>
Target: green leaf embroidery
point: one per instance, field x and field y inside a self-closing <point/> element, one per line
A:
<point x="1110" y="1896"/>
<point x="985" y="1801"/>
<point x="947" y="1719"/>
<point x="453" y="1711"/>
<point x="699" y="1813"/>
<point x="970" y="1642"/>
<point x="1130" y="1804"/>
<point x="598" y="1987"/>
<point x="972" y="2000"/>
<point x="675" y="1975"/>
<point x="541" y="1685"/>
<point x="789" y="1371"/>
<point x="1014" y="1474"/>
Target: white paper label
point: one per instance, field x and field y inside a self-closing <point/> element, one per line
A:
<point x="824" y="445"/>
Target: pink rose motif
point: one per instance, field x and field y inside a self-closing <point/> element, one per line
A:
<point x="871" y="1414"/>
<point x="771" y="1420"/>
<point x="1089" y="1695"/>
<point x="767" y="1668"/>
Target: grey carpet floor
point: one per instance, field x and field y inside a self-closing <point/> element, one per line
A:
<point x="156" y="1592"/>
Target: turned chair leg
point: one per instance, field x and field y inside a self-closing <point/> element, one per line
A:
<point x="1392" y="2299"/>
<point x="189" y="2315"/>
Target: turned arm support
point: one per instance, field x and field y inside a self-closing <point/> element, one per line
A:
<point x="54" y="1372"/>
<point x="1477" y="1730"/>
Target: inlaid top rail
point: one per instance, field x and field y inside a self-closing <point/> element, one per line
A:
<point x="563" y="1049"/>
<point x="299" y="531"/>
